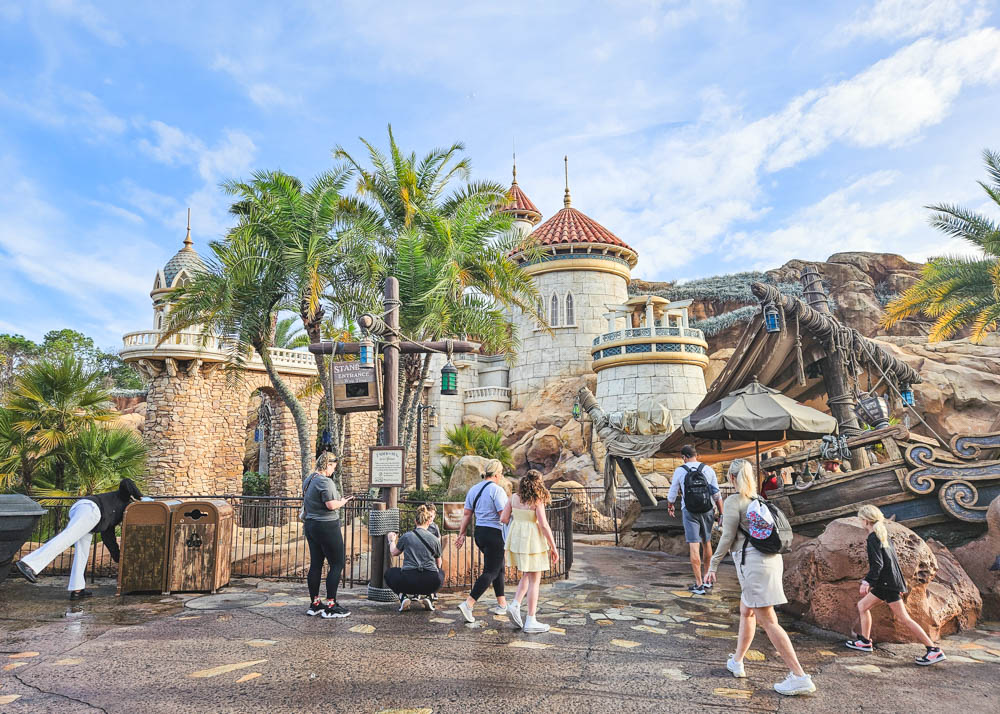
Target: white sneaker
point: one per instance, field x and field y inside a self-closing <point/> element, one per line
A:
<point x="736" y="668"/>
<point x="463" y="607"/>
<point x="497" y="610"/>
<point x="428" y="603"/>
<point x="535" y="627"/>
<point x="514" y="612"/>
<point x="795" y="685"/>
<point x="404" y="604"/>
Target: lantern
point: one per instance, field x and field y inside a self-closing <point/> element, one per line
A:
<point x="872" y="410"/>
<point x="449" y="379"/>
<point x="432" y="417"/>
<point x="256" y="434"/>
<point x="326" y="439"/>
<point x="366" y="352"/>
<point x="906" y="394"/>
<point x="772" y="320"/>
<point x="577" y="410"/>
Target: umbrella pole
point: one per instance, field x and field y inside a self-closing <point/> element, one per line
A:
<point x="760" y="478"/>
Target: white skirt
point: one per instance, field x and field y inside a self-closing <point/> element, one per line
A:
<point x="760" y="578"/>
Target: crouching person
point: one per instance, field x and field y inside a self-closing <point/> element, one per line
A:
<point x="421" y="574"/>
<point x="101" y="513"/>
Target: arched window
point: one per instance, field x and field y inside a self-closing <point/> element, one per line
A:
<point x="570" y="317"/>
<point x="159" y="322"/>
<point x="554" y="312"/>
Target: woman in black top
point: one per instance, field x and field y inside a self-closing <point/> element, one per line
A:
<point x="421" y="573"/>
<point x="884" y="583"/>
<point x="321" y="504"/>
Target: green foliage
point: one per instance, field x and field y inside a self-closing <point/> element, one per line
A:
<point x="464" y="440"/>
<point x="97" y="459"/>
<point x="714" y="325"/>
<point x="443" y="471"/>
<point x="434" y="493"/>
<point x="959" y="292"/>
<point x="734" y="287"/>
<point x="256" y="484"/>
<point x="288" y="335"/>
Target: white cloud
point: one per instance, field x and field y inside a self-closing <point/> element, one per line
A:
<point x="88" y="17"/>
<point x="905" y="19"/>
<point x="65" y="108"/>
<point x="247" y="73"/>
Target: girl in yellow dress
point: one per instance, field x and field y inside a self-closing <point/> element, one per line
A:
<point x="531" y="547"/>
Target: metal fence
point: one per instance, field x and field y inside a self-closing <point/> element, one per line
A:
<point x="592" y="515"/>
<point x="268" y="541"/>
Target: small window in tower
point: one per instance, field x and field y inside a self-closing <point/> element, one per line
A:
<point x="554" y="312"/>
<point x="159" y="322"/>
<point x="570" y="317"/>
<point x="541" y="312"/>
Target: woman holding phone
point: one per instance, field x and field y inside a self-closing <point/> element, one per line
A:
<point x="321" y="504"/>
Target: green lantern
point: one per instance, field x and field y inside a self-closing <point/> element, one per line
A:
<point x="449" y="379"/>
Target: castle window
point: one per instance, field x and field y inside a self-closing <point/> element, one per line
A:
<point x="554" y="312"/>
<point x="570" y="317"/>
<point x="541" y="312"/>
<point x="159" y="322"/>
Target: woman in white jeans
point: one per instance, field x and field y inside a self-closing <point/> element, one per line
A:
<point x="101" y="513"/>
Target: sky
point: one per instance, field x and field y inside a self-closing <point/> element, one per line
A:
<point x="713" y="136"/>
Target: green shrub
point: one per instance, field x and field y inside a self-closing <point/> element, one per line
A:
<point x="464" y="440"/>
<point x="256" y="484"/>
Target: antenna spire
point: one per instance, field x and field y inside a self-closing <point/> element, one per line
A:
<point x="566" y="199"/>
<point x="187" y="239"/>
<point x="514" y="152"/>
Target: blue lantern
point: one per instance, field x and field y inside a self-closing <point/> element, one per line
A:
<point x="906" y="394"/>
<point x="366" y="352"/>
<point x="772" y="320"/>
<point x="327" y="439"/>
<point x="256" y="434"/>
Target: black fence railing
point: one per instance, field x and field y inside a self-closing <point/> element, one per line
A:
<point x="591" y="514"/>
<point x="268" y="540"/>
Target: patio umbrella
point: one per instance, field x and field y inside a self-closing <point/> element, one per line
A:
<point x="758" y="413"/>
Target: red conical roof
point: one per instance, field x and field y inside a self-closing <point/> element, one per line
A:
<point x="571" y="226"/>
<point x="520" y="205"/>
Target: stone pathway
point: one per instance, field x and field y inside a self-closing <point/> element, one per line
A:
<point x="626" y="636"/>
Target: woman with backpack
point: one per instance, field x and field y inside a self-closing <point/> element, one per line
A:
<point x="421" y="574"/>
<point x="884" y="583"/>
<point x="744" y="519"/>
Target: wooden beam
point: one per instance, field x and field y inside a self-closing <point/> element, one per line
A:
<point x="641" y="490"/>
<point x="405" y="347"/>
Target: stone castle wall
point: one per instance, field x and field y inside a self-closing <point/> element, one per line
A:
<point x="679" y="387"/>
<point x="566" y="350"/>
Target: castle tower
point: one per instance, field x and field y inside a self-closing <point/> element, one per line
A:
<point x="583" y="268"/>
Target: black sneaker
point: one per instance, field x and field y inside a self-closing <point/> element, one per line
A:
<point x="315" y="609"/>
<point x="696" y="589"/>
<point x="24" y="569"/>
<point x="932" y="656"/>
<point x="80" y="595"/>
<point x="708" y="586"/>
<point x="334" y="611"/>
<point x="860" y="645"/>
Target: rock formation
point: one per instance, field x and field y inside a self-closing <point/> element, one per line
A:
<point x="822" y="577"/>
<point x="979" y="556"/>
<point x="469" y="471"/>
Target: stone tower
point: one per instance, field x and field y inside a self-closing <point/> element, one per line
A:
<point x="583" y="268"/>
<point x="197" y="414"/>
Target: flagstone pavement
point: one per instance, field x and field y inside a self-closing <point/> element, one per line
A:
<point x="626" y="636"/>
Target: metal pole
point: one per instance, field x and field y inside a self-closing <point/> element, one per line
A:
<point x="390" y="421"/>
<point x="420" y="447"/>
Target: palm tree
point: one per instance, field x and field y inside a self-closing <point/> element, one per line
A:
<point x="959" y="291"/>
<point x="48" y="404"/>
<point x="97" y="458"/>
<point x="288" y="335"/>
<point x="20" y="457"/>
<point x="464" y="440"/>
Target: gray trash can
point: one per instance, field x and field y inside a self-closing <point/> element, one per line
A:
<point x="18" y="517"/>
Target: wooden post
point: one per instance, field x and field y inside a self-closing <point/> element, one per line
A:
<point x="390" y="382"/>
<point x="642" y="493"/>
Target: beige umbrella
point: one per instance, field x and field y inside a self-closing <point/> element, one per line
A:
<point x="758" y="413"/>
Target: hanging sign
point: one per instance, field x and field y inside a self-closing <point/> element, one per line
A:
<point x="385" y="466"/>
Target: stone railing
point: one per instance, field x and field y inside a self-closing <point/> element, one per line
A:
<point x="634" y="332"/>
<point x="196" y="345"/>
<point x="478" y="394"/>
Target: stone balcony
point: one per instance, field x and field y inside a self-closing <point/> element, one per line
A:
<point x="145" y="344"/>
<point x="486" y="402"/>
<point x="641" y="345"/>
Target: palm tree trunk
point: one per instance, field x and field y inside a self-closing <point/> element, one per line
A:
<point x="295" y="407"/>
<point x="313" y="327"/>
<point x="411" y="416"/>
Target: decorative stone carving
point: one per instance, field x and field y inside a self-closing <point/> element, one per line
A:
<point x="193" y="367"/>
<point x="171" y="365"/>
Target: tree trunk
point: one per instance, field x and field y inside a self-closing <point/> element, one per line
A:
<point x="314" y="328"/>
<point x="306" y="448"/>
<point x="412" y="411"/>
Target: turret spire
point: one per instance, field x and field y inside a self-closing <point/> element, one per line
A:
<point x="188" y="243"/>
<point x="567" y="202"/>
<point x="515" y="166"/>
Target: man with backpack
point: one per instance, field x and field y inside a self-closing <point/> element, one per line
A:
<point x="698" y="487"/>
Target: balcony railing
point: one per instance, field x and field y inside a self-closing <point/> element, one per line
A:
<point x="195" y="344"/>
<point x="480" y="394"/>
<point x="644" y="332"/>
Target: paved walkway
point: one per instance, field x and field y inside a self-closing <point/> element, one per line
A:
<point x="626" y="637"/>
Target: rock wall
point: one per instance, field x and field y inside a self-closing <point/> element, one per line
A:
<point x="981" y="560"/>
<point x="822" y="577"/>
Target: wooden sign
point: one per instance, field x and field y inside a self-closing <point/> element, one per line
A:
<point x="355" y="388"/>
<point x="385" y="466"/>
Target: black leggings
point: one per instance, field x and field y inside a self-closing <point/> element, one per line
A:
<point x="490" y="542"/>
<point x="414" y="582"/>
<point x="325" y="543"/>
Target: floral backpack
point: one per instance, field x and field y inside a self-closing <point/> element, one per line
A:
<point x="769" y="529"/>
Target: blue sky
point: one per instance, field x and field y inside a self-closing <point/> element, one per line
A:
<point x="711" y="135"/>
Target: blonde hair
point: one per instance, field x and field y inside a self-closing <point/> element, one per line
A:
<point x="741" y="474"/>
<point x="493" y="468"/>
<point x="324" y="459"/>
<point x="424" y="515"/>
<point x="873" y="515"/>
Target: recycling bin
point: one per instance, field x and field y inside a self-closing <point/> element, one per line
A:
<point x="145" y="547"/>
<point x="201" y="546"/>
<point x="18" y="517"/>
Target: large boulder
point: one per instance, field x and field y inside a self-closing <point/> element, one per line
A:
<point x="543" y="453"/>
<point x="982" y="554"/>
<point x="822" y="577"/>
<point x="575" y="468"/>
<point x="474" y="420"/>
<point x="469" y="470"/>
<point x="552" y="405"/>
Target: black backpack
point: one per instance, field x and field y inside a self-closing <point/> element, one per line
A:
<point x="697" y="494"/>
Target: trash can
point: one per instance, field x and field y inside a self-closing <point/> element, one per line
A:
<point x="145" y="547"/>
<point x="201" y="546"/>
<point x="18" y="517"/>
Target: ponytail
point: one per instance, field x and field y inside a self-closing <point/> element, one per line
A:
<point x="873" y="515"/>
<point x="424" y="515"/>
<point x="741" y="474"/>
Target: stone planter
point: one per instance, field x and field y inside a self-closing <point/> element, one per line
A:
<point x="18" y="517"/>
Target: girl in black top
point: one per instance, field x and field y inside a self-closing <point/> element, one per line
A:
<point x="884" y="582"/>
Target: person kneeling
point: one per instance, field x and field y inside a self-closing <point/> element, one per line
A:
<point x="421" y="573"/>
